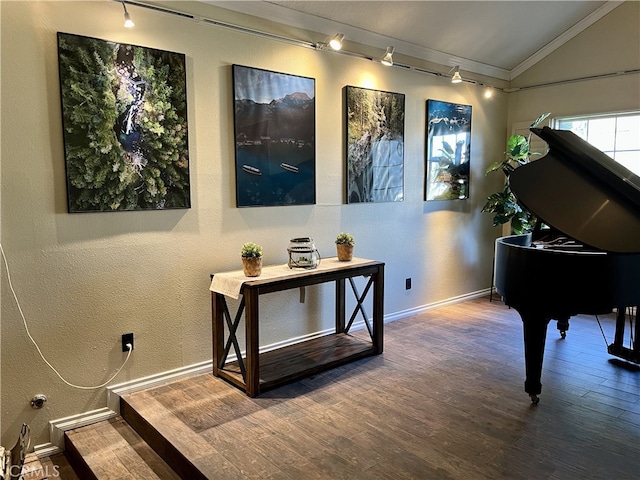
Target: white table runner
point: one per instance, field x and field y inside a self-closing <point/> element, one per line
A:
<point x="230" y="283"/>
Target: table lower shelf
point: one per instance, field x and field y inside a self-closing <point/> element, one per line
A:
<point x="303" y="359"/>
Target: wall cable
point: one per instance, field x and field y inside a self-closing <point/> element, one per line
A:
<point x="26" y="327"/>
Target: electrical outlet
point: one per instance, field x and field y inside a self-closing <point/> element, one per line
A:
<point x="127" y="338"/>
<point x="407" y="284"/>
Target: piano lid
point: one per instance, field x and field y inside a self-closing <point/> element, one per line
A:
<point x="582" y="192"/>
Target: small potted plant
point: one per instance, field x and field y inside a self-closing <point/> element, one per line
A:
<point x="251" y="254"/>
<point x="344" y="244"/>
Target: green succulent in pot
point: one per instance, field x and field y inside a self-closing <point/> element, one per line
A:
<point x="345" y="239"/>
<point x="251" y="254"/>
<point x="251" y="250"/>
<point x="344" y="246"/>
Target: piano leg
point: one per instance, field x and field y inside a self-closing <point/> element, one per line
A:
<point x="563" y="326"/>
<point x="535" y="334"/>
<point x="636" y="338"/>
<point x="621" y="319"/>
<point x="617" y="348"/>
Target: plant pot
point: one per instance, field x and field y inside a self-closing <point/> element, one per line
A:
<point x="252" y="266"/>
<point x="345" y="252"/>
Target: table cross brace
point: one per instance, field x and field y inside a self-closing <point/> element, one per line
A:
<point x="233" y="327"/>
<point x="359" y="306"/>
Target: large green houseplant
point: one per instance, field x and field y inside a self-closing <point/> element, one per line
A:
<point x="504" y="204"/>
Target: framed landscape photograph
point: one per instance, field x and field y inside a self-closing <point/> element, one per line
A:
<point x="448" y="151"/>
<point x="375" y="145"/>
<point x="124" y="112"/>
<point x="274" y="132"/>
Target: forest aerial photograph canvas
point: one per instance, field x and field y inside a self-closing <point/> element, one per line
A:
<point x="124" y="114"/>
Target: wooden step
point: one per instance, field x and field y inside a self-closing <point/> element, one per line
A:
<point x="164" y="428"/>
<point x="112" y="449"/>
<point x="48" y="468"/>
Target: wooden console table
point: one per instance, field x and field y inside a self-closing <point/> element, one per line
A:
<point x="258" y="371"/>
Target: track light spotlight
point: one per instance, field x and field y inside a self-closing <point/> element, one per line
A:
<point x="456" y="78"/>
<point x="387" y="59"/>
<point x="128" y="23"/>
<point x="335" y="42"/>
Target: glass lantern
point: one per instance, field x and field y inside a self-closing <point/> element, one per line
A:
<point x="303" y="253"/>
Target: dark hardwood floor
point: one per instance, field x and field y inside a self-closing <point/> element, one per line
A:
<point x="444" y="401"/>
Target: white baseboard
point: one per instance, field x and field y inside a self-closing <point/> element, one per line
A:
<point x="116" y="391"/>
<point x="46" y="450"/>
<point x="424" y="308"/>
<point x="61" y="425"/>
<point x="58" y="427"/>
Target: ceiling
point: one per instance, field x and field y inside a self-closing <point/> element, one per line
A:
<point x="496" y="38"/>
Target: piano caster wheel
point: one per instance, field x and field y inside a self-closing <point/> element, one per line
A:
<point x="563" y="334"/>
<point x="535" y="400"/>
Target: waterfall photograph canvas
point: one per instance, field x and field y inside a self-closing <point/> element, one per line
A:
<point x="274" y="133"/>
<point x="375" y="145"/>
<point x="448" y="151"/>
<point x="124" y="112"/>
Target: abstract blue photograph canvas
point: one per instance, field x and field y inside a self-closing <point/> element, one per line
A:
<point x="448" y="151"/>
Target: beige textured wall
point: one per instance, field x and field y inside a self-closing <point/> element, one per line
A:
<point x="84" y="279"/>
<point x="610" y="45"/>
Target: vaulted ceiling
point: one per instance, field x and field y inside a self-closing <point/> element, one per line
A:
<point x="496" y="38"/>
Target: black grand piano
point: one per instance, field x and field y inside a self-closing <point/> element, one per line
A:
<point x="579" y="192"/>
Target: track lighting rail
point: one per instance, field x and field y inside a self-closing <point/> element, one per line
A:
<point x="320" y="46"/>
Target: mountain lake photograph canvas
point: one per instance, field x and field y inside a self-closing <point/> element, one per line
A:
<point x="274" y="132"/>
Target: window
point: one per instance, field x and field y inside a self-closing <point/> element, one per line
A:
<point x="617" y="135"/>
